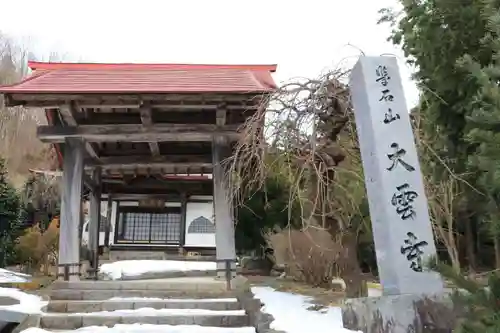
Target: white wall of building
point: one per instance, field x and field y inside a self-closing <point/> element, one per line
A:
<point x="195" y="212"/>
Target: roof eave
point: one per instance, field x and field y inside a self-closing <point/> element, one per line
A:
<point x="35" y="65"/>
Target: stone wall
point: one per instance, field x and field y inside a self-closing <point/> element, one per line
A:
<point x="258" y="319"/>
<point x="401" y="314"/>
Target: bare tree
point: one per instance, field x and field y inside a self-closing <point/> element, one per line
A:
<point x="308" y="135"/>
<point x="17" y="124"/>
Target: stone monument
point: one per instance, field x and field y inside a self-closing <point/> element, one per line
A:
<point x="398" y="206"/>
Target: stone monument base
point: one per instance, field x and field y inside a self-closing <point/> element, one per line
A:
<point x="401" y="314"/>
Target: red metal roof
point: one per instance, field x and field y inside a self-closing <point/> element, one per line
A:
<point x="144" y="78"/>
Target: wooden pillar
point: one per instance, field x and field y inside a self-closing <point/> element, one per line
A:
<point x="224" y="225"/>
<point x="95" y="221"/>
<point x="107" y="226"/>
<point x="183" y="224"/>
<point x="71" y="205"/>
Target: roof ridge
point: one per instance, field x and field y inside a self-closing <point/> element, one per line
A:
<point x="34" y="65"/>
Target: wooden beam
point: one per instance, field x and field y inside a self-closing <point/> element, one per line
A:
<point x="221" y="115"/>
<point x="157" y="165"/>
<point x="147" y="122"/>
<point x="134" y="133"/>
<point x="89" y="182"/>
<point x="134" y="98"/>
<point x="137" y="196"/>
<point x="67" y="113"/>
<point x="144" y="160"/>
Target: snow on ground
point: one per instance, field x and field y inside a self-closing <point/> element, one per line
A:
<point x="27" y="303"/>
<point x="132" y="268"/>
<point x="176" y="300"/>
<point x="151" y="312"/>
<point x="149" y="328"/>
<point x="7" y="276"/>
<point x="292" y="316"/>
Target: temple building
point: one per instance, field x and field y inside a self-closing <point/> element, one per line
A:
<point x="146" y="141"/>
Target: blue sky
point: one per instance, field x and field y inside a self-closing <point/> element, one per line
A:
<point x="303" y="37"/>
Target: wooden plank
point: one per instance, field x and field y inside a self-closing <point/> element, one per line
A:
<point x="159" y="166"/>
<point x="67" y="114"/>
<point x="69" y="237"/>
<point x="147" y="121"/>
<point x="134" y="133"/>
<point x="171" y="107"/>
<point x="172" y="197"/>
<point x="145" y="160"/>
<point x="158" y="172"/>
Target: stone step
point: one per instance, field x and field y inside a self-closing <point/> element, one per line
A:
<point x="100" y="295"/>
<point x="131" y="304"/>
<point x="57" y="321"/>
<point x="187" y="283"/>
<point x="164" y="275"/>
<point x="117" y="255"/>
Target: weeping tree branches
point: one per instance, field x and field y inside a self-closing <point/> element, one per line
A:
<point x="305" y="135"/>
<point x="295" y="135"/>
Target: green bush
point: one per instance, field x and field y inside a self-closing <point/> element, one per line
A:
<point x="479" y="301"/>
<point x="265" y="210"/>
<point x="10" y="218"/>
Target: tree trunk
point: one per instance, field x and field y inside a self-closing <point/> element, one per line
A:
<point x="349" y="267"/>
<point x="469" y="246"/>
<point x="496" y="242"/>
<point x="451" y="247"/>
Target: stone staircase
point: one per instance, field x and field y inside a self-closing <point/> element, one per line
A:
<point x="116" y="255"/>
<point x="180" y="301"/>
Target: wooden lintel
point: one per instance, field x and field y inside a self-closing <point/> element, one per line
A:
<point x="137" y="196"/>
<point x="138" y="159"/>
<point x="134" y="133"/>
<point x="155" y="165"/>
<point x="147" y="122"/>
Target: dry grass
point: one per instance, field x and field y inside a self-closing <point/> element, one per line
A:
<point x="308" y="255"/>
<point x="38" y="249"/>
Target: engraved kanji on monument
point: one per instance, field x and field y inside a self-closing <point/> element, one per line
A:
<point x="398" y="206"/>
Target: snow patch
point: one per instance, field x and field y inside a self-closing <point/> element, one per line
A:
<point x="151" y="312"/>
<point x="28" y="303"/>
<point x="176" y="300"/>
<point x="7" y="276"/>
<point x="292" y="316"/>
<point x="149" y="328"/>
<point x="131" y="268"/>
